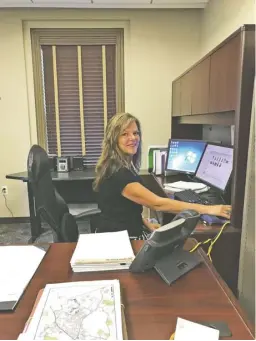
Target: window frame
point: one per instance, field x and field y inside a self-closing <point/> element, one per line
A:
<point x="84" y="36"/>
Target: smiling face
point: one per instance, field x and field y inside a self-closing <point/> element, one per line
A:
<point x="129" y="140"/>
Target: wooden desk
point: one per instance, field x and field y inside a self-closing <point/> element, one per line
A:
<point x="226" y="263"/>
<point x="73" y="186"/>
<point x="151" y="306"/>
<point x="76" y="186"/>
<point x="86" y="174"/>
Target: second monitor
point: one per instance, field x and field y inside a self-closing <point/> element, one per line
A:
<point x="184" y="155"/>
<point x="216" y="166"/>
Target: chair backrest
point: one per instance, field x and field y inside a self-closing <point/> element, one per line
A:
<point x="48" y="203"/>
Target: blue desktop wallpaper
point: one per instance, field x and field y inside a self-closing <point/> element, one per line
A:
<point x="184" y="156"/>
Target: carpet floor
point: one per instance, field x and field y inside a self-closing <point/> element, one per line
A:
<point x="20" y="233"/>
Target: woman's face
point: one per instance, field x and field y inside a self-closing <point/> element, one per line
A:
<point x="129" y="140"/>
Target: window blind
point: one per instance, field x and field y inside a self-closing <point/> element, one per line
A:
<point x="80" y="88"/>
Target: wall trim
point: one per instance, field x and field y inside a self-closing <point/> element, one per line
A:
<point x="14" y="220"/>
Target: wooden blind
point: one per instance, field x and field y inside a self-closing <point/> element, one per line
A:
<point x="49" y="104"/>
<point x="80" y="89"/>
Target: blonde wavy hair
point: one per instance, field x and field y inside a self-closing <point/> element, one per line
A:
<point x="112" y="157"/>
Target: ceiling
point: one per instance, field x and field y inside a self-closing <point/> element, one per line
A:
<point x="153" y="4"/>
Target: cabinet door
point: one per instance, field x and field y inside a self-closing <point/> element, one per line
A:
<point x="176" y="98"/>
<point x="200" y="87"/>
<point x="186" y="94"/>
<point x="224" y="76"/>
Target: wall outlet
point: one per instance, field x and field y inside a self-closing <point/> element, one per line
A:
<point x="4" y="190"/>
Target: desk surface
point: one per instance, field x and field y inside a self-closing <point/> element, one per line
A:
<point x="86" y="174"/>
<point x="151" y="306"/>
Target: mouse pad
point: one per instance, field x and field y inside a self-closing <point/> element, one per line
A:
<point x="211" y="220"/>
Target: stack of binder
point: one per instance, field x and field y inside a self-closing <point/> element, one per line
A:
<point x="102" y="252"/>
<point x="156" y="159"/>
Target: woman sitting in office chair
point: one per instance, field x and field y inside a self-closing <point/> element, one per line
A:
<point x="120" y="189"/>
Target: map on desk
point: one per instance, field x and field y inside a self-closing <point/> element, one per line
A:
<point x="78" y="311"/>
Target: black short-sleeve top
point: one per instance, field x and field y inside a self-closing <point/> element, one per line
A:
<point x="119" y="213"/>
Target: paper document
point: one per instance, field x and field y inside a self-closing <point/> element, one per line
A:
<point x="186" y="185"/>
<point x="102" y="251"/>
<point x="187" y="330"/>
<point x="17" y="266"/>
<point x="88" y="310"/>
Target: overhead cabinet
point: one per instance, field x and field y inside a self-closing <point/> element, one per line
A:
<point x="212" y="85"/>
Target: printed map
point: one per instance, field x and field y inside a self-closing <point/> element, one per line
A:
<point x="78" y="313"/>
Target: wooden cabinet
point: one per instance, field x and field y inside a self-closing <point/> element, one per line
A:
<point x="231" y="71"/>
<point x="212" y="85"/>
<point x="182" y="95"/>
<point x="224" y="73"/>
<point x="186" y="94"/>
<point x="176" y="98"/>
<point x="200" y="87"/>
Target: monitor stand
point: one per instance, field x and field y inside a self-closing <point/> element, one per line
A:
<point x="170" y="173"/>
<point x="176" y="264"/>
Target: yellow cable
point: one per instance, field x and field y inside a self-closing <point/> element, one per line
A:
<point x="211" y="240"/>
<point x="200" y="243"/>
<point x="215" y="239"/>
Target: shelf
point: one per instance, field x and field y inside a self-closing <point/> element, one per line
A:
<point x="224" y="118"/>
<point x="204" y="229"/>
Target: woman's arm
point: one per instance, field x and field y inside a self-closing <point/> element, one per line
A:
<point x="141" y="195"/>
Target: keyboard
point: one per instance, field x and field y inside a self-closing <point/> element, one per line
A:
<point x="192" y="197"/>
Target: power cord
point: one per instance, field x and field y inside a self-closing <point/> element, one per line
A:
<point x="212" y="241"/>
<point x="6" y="205"/>
<point x="223" y="200"/>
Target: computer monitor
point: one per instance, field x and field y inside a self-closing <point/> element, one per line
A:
<point x="216" y="166"/>
<point x="164" y="249"/>
<point x="184" y="155"/>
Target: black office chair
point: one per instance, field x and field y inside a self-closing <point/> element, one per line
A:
<point x="48" y="203"/>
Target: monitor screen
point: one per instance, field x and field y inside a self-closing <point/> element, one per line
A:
<point x="216" y="166"/>
<point x="184" y="155"/>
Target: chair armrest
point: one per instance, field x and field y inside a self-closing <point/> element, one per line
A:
<point x="88" y="213"/>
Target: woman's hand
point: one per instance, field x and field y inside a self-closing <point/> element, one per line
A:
<point x="149" y="225"/>
<point x="152" y="226"/>
<point x="219" y="210"/>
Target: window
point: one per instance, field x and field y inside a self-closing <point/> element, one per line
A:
<point x="78" y="76"/>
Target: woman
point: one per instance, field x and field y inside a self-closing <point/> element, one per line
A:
<point x="121" y="193"/>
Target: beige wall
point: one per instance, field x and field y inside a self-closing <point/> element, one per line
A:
<point x="159" y="45"/>
<point x="221" y="18"/>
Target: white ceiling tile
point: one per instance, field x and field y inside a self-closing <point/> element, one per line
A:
<point x="15" y="2"/>
<point x="152" y="4"/>
<point x="54" y="2"/>
<point x="181" y="3"/>
<point x="122" y="2"/>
